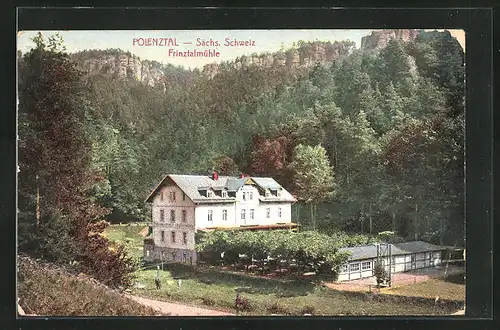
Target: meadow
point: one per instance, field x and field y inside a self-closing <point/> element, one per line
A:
<point x="211" y="287"/>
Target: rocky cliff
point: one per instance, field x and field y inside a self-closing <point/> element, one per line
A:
<point x="305" y="55"/>
<point x="122" y="65"/>
<point x="379" y="39"/>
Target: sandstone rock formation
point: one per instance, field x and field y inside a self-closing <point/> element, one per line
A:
<point x="379" y="39"/>
<point x="124" y="66"/>
<point x="306" y="55"/>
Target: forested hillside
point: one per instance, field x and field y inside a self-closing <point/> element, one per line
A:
<point x="386" y="126"/>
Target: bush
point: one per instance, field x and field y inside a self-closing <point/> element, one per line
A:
<point x="105" y="261"/>
<point x="208" y="301"/>
<point x="307" y="310"/>
<point x="276" y="308"/>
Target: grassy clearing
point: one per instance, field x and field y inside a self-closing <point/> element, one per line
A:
<point x="211" y="289"/>
<point x="452" y="288"/>
<point x="47" y="290"/>
<point x="129" y="236"/>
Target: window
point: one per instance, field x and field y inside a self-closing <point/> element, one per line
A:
<point x="185" y="238"/>
<point x="209" y="193"/>
<point x="243" y="214"/>
<point x="354" y="267"/>
<point x="268" y="213"/>
<point x="172" y="215"/>
<point x="161" y="196"/>
<point x="183" y="196"/>
<point x="244" y="196"/>
<point x="251" y="195"/>
<point x="210" y="215"/>
<point x="162" y="215"/>
<point x="173" y="236"/>
<point x="412" y="258"/>
<point x="279" y="212"/>
<point x="224" y="194"/>
<point x="172" y="196"/>
<point x="366" y="265"/>
<point x="344" y="268"/>
<point x="278" y="193"/>
<point x="224" y="215"/>
<point x="267" y="194"/>
<point x="252" y="214"/>
<point x="162" y="233"/>
<point x="184" y="216"/>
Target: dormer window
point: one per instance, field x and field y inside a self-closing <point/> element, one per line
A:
<point x="278" y="193"/>
<point x="224" y="194"/>
<point x="210" y="194"/>
<point x="268" y="193"/>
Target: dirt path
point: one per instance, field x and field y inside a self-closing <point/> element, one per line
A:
<point x="177" y="309"/>
<point x="460" y="312"/>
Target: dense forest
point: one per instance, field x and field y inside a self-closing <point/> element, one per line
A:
<point x="372" y="141"/>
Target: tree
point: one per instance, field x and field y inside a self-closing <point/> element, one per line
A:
<point x="380" y="272"/>
<point x="313" y="176"/>
<point x="55" y="161"/>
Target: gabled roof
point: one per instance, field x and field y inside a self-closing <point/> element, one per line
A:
<point x="370" y="251"/>
<point x="192" y="184"/>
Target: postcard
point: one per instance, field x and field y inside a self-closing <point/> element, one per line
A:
<point x="308" y="172"/>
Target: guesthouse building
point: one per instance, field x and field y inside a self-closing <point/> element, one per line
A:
<point x="185" y="204"/>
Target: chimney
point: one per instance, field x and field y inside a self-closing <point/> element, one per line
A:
<point x="215" y="176"/>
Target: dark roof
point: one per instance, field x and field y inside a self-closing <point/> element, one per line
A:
<point x="370" y="251"/>
<point x="192" y="184"/>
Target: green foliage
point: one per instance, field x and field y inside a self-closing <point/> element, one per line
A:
<point x="313" y="176"/>
<point x="59" y="183"/>
<point x="390" y="123"/>
<point x="391" y="237"/>
<point x="52" y="241"/>
<point x="380" y="272"/>
<point x="311" y="250"/>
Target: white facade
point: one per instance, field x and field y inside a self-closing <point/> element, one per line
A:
<point x="355" y="269"/>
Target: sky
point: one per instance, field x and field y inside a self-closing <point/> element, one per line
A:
<point x="190" y="40"/>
